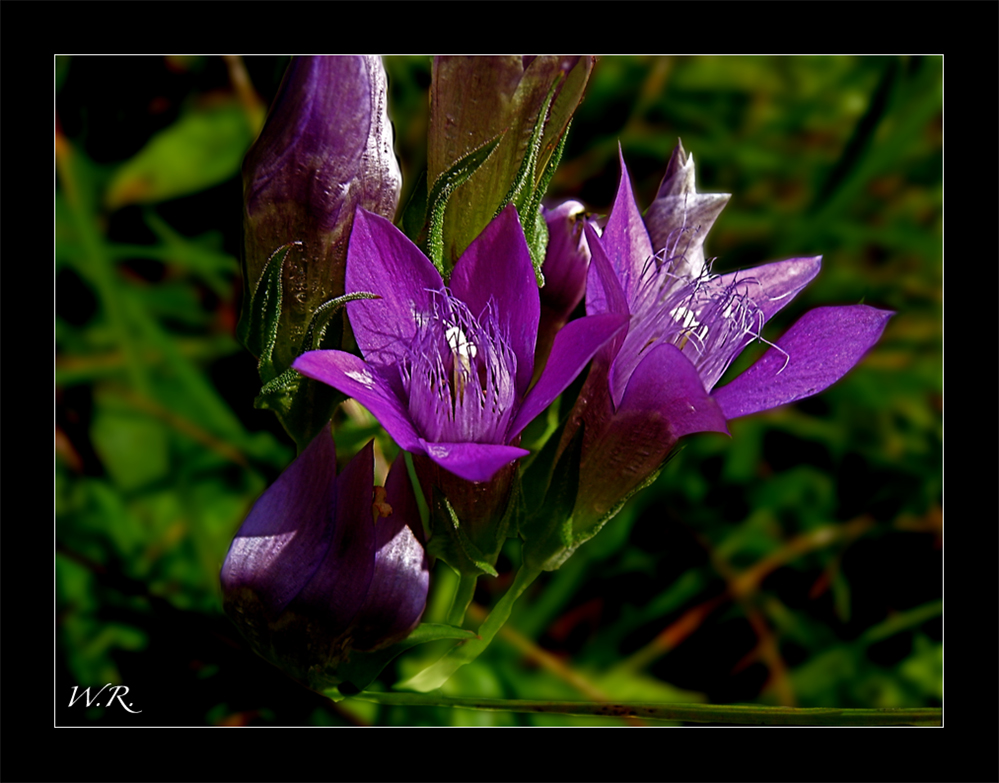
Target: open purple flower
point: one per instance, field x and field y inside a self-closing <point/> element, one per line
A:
<point x="324" y="564"/>
<point x="447" y="369"/>
<point x="657" y="383"/>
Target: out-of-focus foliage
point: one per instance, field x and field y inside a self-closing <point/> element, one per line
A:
<point x="796" y="563"/>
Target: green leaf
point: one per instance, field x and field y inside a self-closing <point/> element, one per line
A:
<point x="133" y="447"/>
<point x="204" y="147"/>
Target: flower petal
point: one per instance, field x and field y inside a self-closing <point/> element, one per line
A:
<point x="471" y="461"/>
<point x="398" y="592"/>
<point x="574" y="346"/>
<point x="382" y="260"/>
<point x="604" y="293"/>
<point x="625" y="238"/>
<point x="287" y="533"/>
<point x="354" y="377"/>
<point x="678" y="205"/>
<point x="337" y="590"/>
<point x="666" y="387"/>
<point x="765" y="289"/>
<point x="567" y="258"/>
<point x="497" y="266"/>
<point x="608" y="296"/>
<point x="814" y="353"/>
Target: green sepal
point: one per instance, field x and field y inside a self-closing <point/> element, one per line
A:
<point x="548" y="533"/>
<point x="258" y="328"/>
<point x="359" y="669"/>
<point x="318" y="335"/>
<point x="441" y="192"/>
<point x="529" y="187"/>
<point x="451" y="543"/>
<point x="302" y="404"/>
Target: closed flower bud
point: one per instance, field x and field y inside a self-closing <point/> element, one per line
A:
<point x="325" y="150"/>
<point x="324" y="565"/>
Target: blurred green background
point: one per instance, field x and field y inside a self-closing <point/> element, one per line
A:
<point x="797" y="563"/>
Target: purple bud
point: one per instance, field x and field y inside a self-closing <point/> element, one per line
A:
<point x="325" y="149"/>
<point x="325" y="564"/>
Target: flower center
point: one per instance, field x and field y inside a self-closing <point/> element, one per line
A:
<point x="460" y="374"/>
<point x="708" y="320"/>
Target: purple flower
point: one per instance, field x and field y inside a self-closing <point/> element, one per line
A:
<point x="323" y="564"/>
<point x="325" y="149"/>
<point x="657" y="383"/>
<point x="447" y="369"/>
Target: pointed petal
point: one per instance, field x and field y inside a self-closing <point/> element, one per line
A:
<point x="608" y="294"/>
<point x="773" y="285"/>
<point x="677" y="206"/>
<point x="814" y="353"/>
<point x="497" y="266"/>
<point x="382" y="260"/>
<point x="604" y="293"/>
<point x="337" y="590"/>
<point x="287" y="533"/>
<point x="354" y="377"/>
<point x="768" y="288"/>
<point x="472" y="461"/>
<point x="398" y="592"/>
<point x="625" y="238"/>
<point x="574" y="346"/>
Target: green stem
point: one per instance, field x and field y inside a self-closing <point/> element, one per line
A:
<point x="694" y="713"/>
<point x="437" y="674"/>
<point x="463" y="594"/>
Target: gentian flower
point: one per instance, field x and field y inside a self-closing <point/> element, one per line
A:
<point x="447" y="369"/>
<point x="325" y="564"/>
<point x="325" y="149"/>
<point x="657" y="383"/>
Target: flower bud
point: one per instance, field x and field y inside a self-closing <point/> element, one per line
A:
<point x="567" y="259"/>
<point x="475" y="99"/>
<point x="325" y="149"/>
<point x="324" y="565"/>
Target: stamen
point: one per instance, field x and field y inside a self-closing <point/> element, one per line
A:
<point x="460" y="373"/>
<point x="710" y="324"/>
